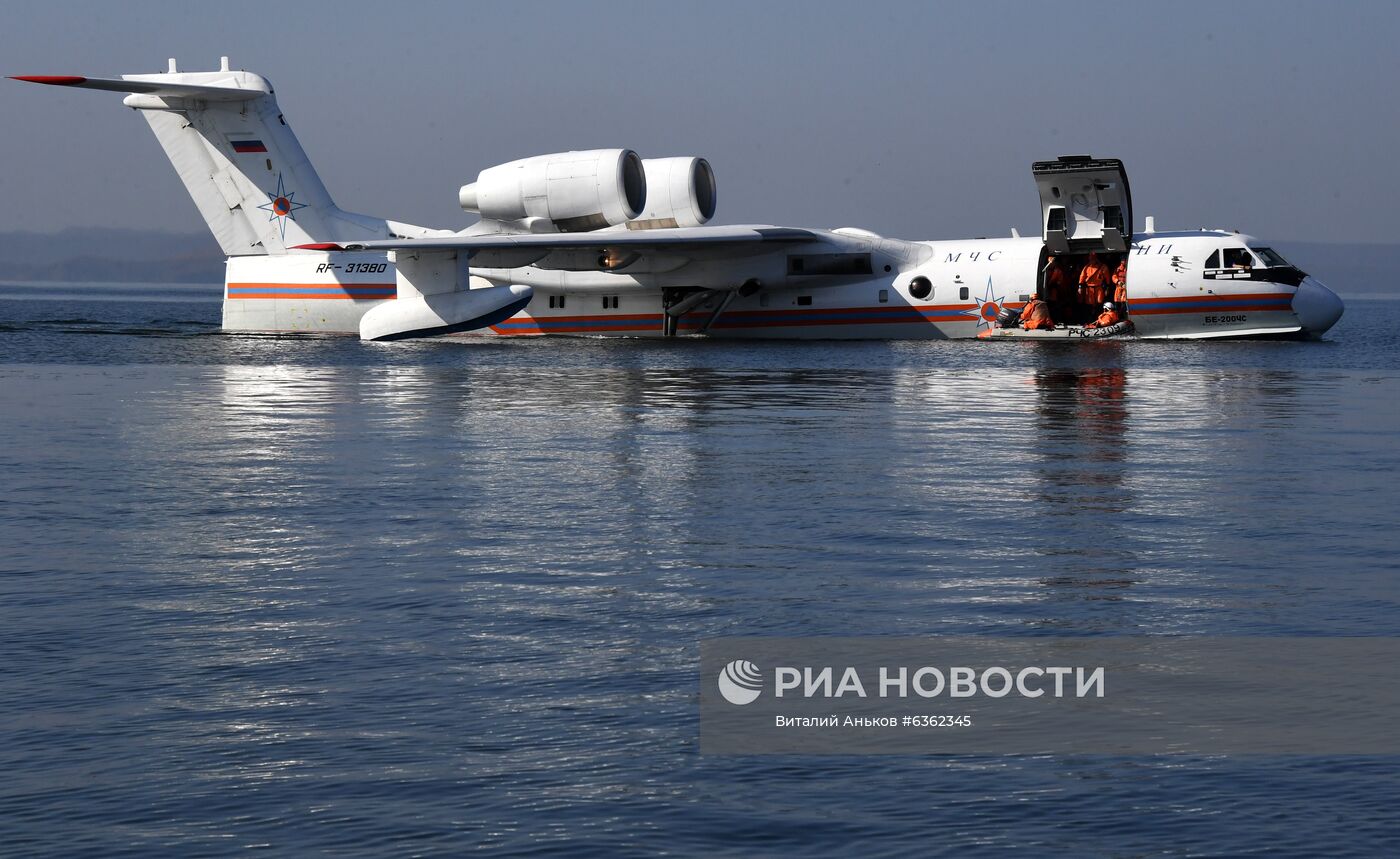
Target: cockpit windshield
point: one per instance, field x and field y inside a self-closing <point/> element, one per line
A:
<point x="1238" y="258"/>
<point x="1271" y="257"/>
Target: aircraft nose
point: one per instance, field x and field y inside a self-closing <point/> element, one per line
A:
<point x="1317" y="307"/>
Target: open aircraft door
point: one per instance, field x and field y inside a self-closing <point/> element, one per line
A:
<point x="1084" y="204"/>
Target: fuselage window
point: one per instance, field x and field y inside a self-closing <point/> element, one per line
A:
<point x="610" y="302"/>
<point x="804" y="300"/>
<point x="884" y="296"/>
<point x="962" y="294"/>
<point x="829" y="264"/>
<point x="921" y="288"/>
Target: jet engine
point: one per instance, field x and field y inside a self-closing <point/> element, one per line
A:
<point x="681" y="192"/>
<point x="576" y="191"/>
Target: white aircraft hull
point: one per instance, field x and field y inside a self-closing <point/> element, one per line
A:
<point x="643" y="316"/>
<point x="302" y="294"/>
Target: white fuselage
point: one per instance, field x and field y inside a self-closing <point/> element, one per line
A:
<point x="1171" y="293"/>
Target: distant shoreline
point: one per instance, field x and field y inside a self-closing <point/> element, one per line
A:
<point x="190" y="286"/>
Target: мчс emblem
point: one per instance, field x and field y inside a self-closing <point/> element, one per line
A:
<point x="282" y="205"/>
<point x="988" y="306"/>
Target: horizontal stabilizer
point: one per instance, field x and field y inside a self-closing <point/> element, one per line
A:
<point x="157" y="88"/>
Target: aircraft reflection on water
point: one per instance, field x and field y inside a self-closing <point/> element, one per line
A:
<point x="1099" y="468"/>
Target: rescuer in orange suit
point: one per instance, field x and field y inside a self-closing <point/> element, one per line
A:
<point x="1120" y="282"/>
<point x="1110" y="316"/>
<point x="1059" y="289"/>
<point x="1093" y="282"/>
<point x="1036" y="315"/>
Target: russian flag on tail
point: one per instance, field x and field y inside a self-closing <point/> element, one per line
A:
<point x="244" y="146"/>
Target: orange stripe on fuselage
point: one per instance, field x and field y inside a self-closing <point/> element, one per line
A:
<point x="313" y="296"/>
<point x="1248" y="308"/>
<point x="322" y="291"/>
<point x="1211" y="296"/>
<point x="332" y="285"/>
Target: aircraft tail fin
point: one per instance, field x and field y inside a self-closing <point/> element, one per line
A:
<point x="238" y="158"/>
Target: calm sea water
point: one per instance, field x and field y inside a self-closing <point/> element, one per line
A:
<point x="320" y="595"/>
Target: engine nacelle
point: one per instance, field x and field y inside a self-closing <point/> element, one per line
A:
<point x="574" y="190"/>
<point x="681" y="192"/>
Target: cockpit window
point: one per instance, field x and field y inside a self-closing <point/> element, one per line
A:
<point x="1213" y="261"/>
<point x="1271" y="257"/>
<point x="1238" y="258"/>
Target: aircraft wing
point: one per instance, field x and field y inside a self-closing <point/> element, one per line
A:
<point x="506" y="250"/>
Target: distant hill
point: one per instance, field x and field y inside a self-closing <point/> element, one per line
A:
<point x="138" y="256"/>
<point x="101" y="255"/>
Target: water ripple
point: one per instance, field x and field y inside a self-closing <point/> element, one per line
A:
<point x="258" y="592"/>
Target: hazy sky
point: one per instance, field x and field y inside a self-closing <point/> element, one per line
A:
<point x="916" y="120"/>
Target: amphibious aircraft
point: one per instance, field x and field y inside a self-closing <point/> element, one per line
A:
<point x="606" y="243"/>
